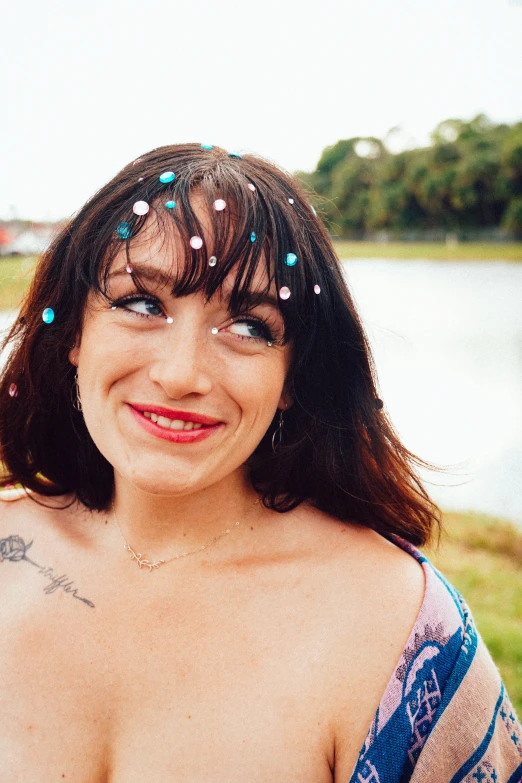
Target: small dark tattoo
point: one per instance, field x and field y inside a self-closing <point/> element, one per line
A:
<point x="14" y="549"/>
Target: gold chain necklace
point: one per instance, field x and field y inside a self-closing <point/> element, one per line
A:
<point x="142" y="562"/>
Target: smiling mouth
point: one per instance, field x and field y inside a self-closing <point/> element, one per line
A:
<point x="172" y="424"/>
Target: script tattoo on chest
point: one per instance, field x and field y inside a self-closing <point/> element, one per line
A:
<point x="14" y="549"/>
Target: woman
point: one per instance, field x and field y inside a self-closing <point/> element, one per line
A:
<point x="212" y="573"/>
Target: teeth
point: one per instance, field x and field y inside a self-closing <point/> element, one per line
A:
<point x="171" y="424"/>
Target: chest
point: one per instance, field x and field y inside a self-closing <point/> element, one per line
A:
<point x="205" y="682"/>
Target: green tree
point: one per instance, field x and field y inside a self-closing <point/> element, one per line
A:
<point x="469" y="176"/>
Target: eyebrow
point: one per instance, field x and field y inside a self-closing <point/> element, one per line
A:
<point x="156" y="275"/>
<point x="152" y="274"/>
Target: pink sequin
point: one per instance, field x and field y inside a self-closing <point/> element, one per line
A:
<point x="219" y="204"/>
<point x="140" y="208"/>
<point x="317" y="289"/>
<point x="251" y="187"/>
<point x="13" y="390"/>
<point x="284" y="292"/>
<point x="196" y="242"/>
<point x="138" y="160"/>
<point x="129" y="269"/>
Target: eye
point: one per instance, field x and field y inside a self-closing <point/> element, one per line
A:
<point x="252" y="329"/>
<point x="141" y="306"/>
<point x="249" y="329"/>
<point x="144" y="307"/>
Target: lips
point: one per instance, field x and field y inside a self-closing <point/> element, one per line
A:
<point x="174" y="426"/>
<point x="173" y="415"/>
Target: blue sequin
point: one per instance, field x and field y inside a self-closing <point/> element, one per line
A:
<point x="170" y="204"/>
<point x="291" y="259"/>
<point x="206" y="146"/>
<point x="253" y="236"/>
<point x="234" y="155"/>
<point x="48" y="315"/>
<point x="124" y="230"/>
<point x="167" y="176"/>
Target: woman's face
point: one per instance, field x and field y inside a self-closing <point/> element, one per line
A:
<point x="176" y="394"/>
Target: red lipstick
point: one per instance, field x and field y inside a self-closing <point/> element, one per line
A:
<point x="197" y="418"/>
<point x="208" y="428"/>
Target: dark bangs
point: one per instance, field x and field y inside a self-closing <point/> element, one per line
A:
<point x="267" y="222"/>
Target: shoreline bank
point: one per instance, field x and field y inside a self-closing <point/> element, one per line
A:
<point x="481" y="556"/>
<point x="430" y="251"/>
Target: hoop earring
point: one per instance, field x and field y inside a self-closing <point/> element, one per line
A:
<point x="277" y="437"/>
<point x="77" y="400"/>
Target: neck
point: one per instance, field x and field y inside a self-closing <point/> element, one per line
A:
<point x="162" y="526"/>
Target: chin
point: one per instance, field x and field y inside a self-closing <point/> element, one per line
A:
<point x="156" y="484"/>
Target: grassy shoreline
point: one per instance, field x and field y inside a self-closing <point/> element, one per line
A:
<point x="15" y="276"/>
<point x="482" y="557"/>
<point x="431" y="251"/>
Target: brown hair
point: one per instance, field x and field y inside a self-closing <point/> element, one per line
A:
<point x="340" y="451"/>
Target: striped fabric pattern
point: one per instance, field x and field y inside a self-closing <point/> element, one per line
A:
<point x="445" y="716"/>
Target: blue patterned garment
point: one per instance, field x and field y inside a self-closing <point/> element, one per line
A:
<point x="445" y="715"/>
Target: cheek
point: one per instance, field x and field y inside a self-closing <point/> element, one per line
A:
<point x="257" y="386"/>
<point x="104" y="359"/>
<point x="106" y="353"/>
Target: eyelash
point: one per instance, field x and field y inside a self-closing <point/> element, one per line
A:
<point x="267" y="332"/>
<point x="267" y="327"/>
<point x="126" y="300"/>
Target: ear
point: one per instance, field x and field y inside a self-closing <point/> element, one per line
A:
<point x="73" y="355"/>
<point x="285" y="401"/>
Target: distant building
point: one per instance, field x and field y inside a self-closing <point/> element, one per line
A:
<point x="21" y="238"/>
<point x="6" y="239"/>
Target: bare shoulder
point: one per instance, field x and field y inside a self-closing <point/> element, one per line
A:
<point x="44" y="550"/>
<point x="374" y="591"/>
<point x="352" y="551"/>
<point x="22" y="518"/>
<point x="19" y="504"/>
<point x="13" y="500"/>
<point x="28" y="519"/>
<point x="367" y="583"/>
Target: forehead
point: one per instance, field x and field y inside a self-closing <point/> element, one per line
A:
<point x="189" y="255"/>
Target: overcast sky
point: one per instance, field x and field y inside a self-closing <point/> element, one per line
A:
<point x="86" y="87"/>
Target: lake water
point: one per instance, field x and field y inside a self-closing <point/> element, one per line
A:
<point x="447" y="341"/>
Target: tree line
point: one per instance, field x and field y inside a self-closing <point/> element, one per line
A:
<point x="469" y="177"/>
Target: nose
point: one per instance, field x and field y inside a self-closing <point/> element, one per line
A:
<point x="182" y="365"/>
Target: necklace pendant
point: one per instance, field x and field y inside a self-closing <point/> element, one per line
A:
<point x="142" y="561"/>
<point x="150" y="566"/>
